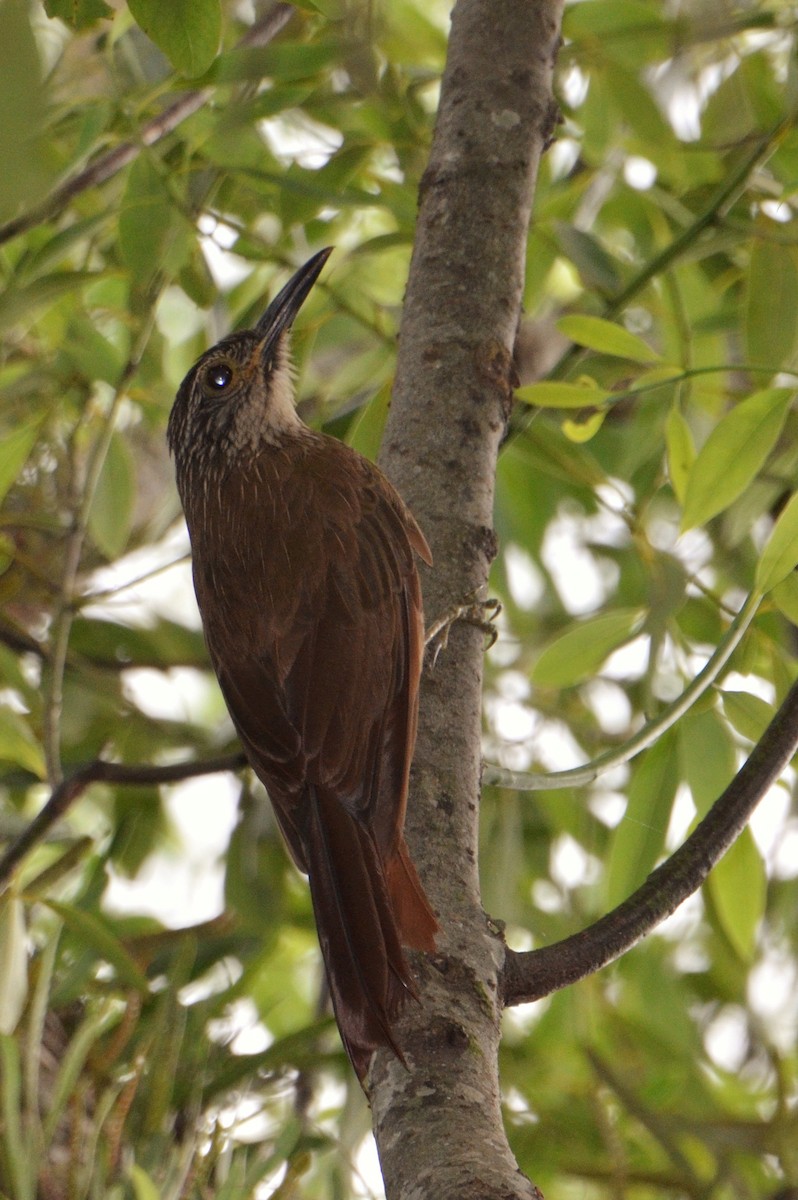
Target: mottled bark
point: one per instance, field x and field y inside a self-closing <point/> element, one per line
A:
<point x="438" y="1125"/>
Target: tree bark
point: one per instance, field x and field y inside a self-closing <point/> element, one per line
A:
<point x="450" y="407"/>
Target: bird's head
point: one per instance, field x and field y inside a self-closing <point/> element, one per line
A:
<point x="239" y="394"/>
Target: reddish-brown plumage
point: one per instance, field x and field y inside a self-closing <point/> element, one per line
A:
<point x="305" y="575"/>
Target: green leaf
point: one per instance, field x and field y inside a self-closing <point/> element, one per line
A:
<point x="165" y="644"/>
<point x="22" y="1162"/>
<point x="412" y="35"/>
<point x="60" y="246"/>
<point x="140" y="825"/>
<point x="640" y="837"/>
<point x="188" y="31"/>
<point x="14" y="451"/>
<point x="599" y="120"/>
<point x="708" y="756"/>
<point x="18" y="745"/>
<point x="738" y="889"/>
<point x="596" y="267"/>
<point x="92" y="353"/>
<point x="780" y="555"/>
<point x="546" y="450"/>
<point x="13" y="962"/>
<point x="111" y="514"/>
<point x="145" y="219"/>
<point x="365" y="432"/>
<point x="71" y="1062"/>
<point x="78" y="14"/>
<point x="95" y="931"/>
<point x="143" y="1186"/>
<point x="20" y="305"/>
<point x="578" y="652"/>
<point x="579" y="429"/>
<point x="606" y="21"/>
<point x="750" y="715"/>
<point x="771" y="304"/>
<point x="733" y="454"/>
<point x="606" y="337"/>
<point x="27" y="167"/>
<point x="680" y="450"/>
<point x="785" y="597"/>
<point x="748" y="99"/>
<point x="289" y="61"/>
<point x="562" y="395"/>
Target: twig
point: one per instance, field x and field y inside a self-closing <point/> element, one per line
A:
<point x="537" y="973"/>
<point x="719" y="203"/>
<point x="100" y="771"/>
<point x="722" y="199"/>
<point x="63" y="614"/>
<point x="521" y="781"/>
<point x="111" y="163"/>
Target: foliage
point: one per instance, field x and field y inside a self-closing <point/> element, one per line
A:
<point x="643" y="492"/>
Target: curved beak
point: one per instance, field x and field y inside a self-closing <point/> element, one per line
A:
<point x="282" y="311"/>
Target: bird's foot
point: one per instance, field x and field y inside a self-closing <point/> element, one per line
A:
<point x="481" y="613"/>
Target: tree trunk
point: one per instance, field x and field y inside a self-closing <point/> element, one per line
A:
<point x="451" y="403"/>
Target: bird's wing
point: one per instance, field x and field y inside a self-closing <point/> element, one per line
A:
<point x="351" y="689"/>
<point x="325" y="691"/>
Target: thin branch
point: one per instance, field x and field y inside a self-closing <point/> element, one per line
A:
<point x="64" y="608"/>
<point x="721" y="200"/>
<point x="537" y="973"/>
<point x="380" y="329"/>
<point x="114" y="161"/>
<point x="719" y="203"/>
<point x="100" y="771"/>
<point x="20" y="641"/>
<point x="521" y="781"/>
<point x="658" y="1126"/>
<point x="689" y="373"/>
<point x="110" y="593"/>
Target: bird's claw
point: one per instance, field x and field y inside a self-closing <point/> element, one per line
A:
<point x="481" y="613"/>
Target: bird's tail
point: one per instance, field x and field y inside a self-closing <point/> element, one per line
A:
<point x="364" y="911"/>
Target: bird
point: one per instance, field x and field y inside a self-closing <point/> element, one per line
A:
<point x="304" y="561"/>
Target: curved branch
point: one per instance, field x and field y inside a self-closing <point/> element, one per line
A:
<point x="83" y="483"/>
<point x="537" y="973"/>
<point x="68" y="790"/>
<point x="522" y="781"/>
<point x="719" y="202"/>
<point x="114" y="161"/>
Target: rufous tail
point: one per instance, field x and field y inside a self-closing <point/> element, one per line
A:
<point x="364" y="912"/>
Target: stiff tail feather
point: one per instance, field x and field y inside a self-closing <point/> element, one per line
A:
<point x="415" y="918"/>
<point x="360" y="916"/>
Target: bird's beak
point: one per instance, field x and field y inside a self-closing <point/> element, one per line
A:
<point x="282" y="311"/>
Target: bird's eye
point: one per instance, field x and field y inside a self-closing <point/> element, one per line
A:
<point x="217" y="378"/>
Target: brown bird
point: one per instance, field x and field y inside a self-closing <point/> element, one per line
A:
<point x="305" y="575"/>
